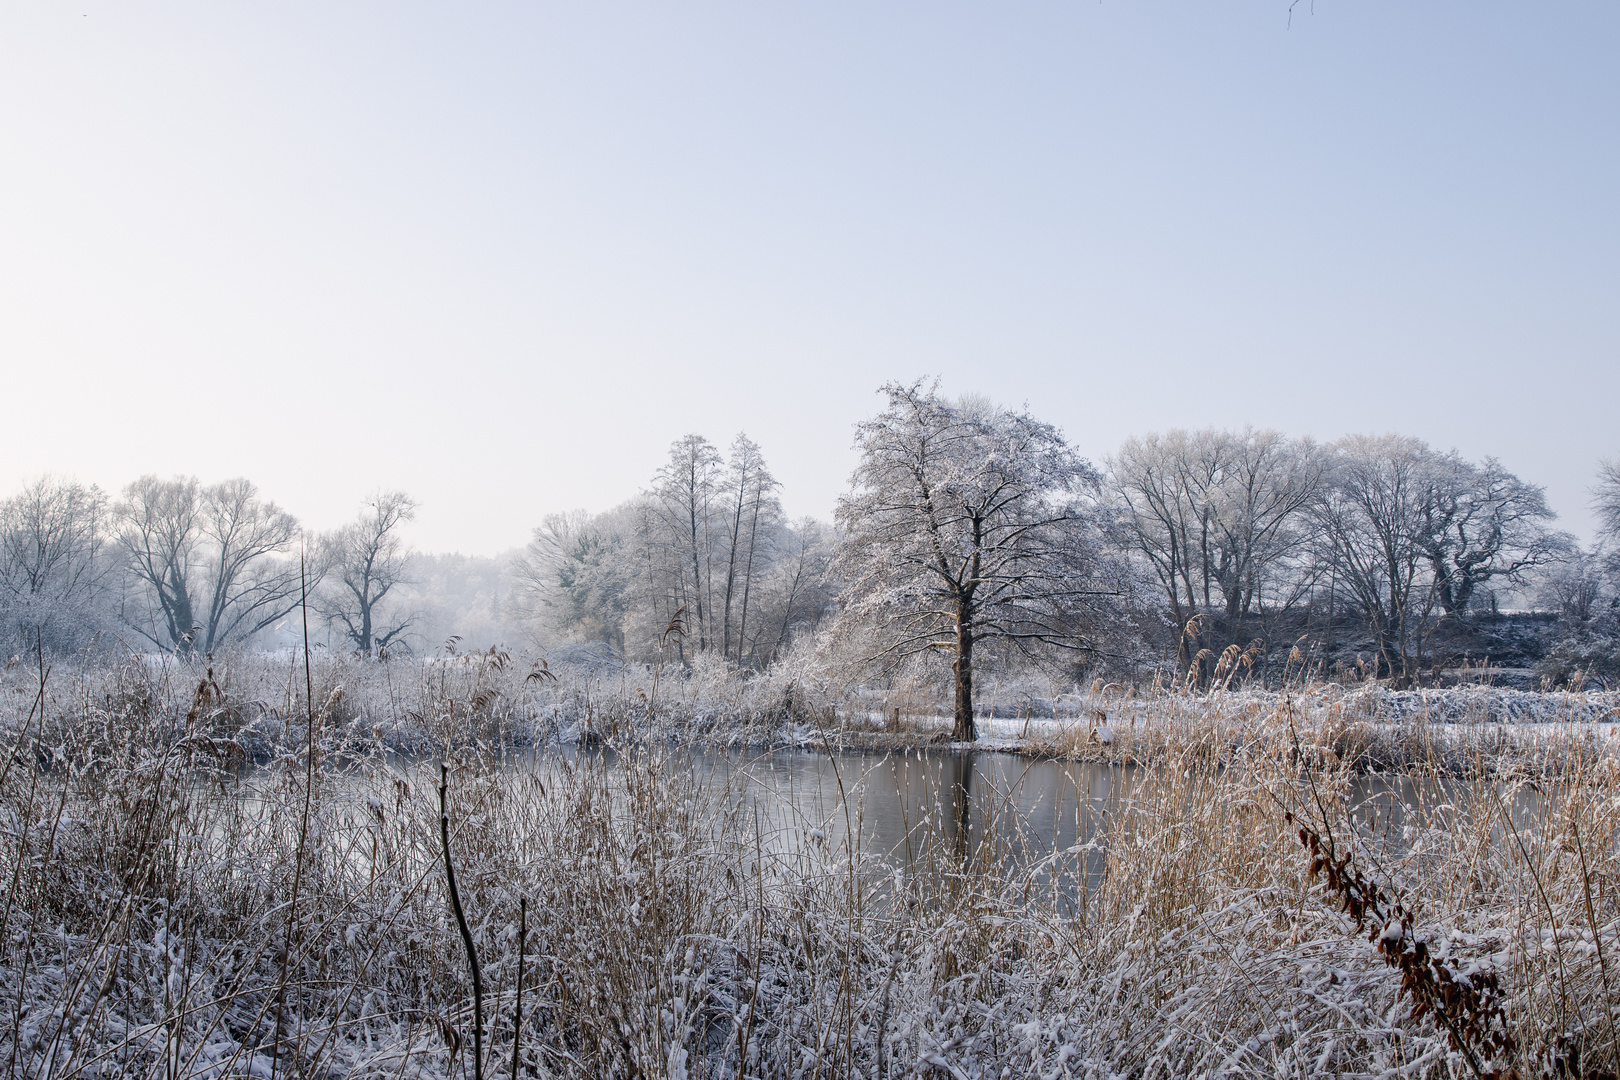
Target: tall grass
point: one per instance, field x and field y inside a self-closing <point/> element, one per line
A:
<point x="681" y="924"/>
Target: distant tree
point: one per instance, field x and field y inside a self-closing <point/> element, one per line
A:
<point x="1164" y="519"/>
<point x="1374" y="519"/>
<point x="708" y="541"/>
<point x="1482" y="524"/>
<point x="1576" y="587"/>
<point x="1218" y="516"/>
<point x="967" y="524"/>
<point x="212" y="561"/>
<point x="800" y="591"/>
<point x="1583" y="590"/>
<point x="1408" y="530"/>
<point x="685" y="491"/>
<point x="1606" y="498"/>
<point x="368" y="558"/>
<point x="1268" y="485"/>
<point x="465" y="597"/>
<point x="752" y="511"/>
<point x="53" y="566"/>
<point x="578" y="574"/>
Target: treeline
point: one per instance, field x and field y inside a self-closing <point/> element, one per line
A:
<point x="179" y="565"/>
<point x="966" y="525"/>
<point x="702" y="563"/>
<point x="1243" y="532"/>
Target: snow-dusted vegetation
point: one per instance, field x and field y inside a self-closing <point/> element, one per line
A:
<point x="970" y="532"/>
<point x="1357" y="820"/>
<point x="194" y="888"/>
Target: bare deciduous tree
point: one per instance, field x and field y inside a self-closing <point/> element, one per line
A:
<point x="1217" y="515"/>
<point x="965" y="524"/>
<point x="1408" y="529"/>
<point x="1373" y="522"/>
<point x="1606" y="497"/>
<point x="53" y="572"/>
<point x="369" y="559"/>
<point x="1484" y="524"/>
<point x="685" y="491"/>
<point x="1267" y="485"/>
<point x="578" y="574"/>
<point x="751" y="505"/>
<point x="210" y="559"/>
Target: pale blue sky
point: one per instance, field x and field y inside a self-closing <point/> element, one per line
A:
<point x="502" y="255"/>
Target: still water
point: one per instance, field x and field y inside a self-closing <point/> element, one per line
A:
<point x="1044" y="823"/>
<point x="911" y="808"/>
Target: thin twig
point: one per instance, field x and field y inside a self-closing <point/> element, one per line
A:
<point x="517" y="1012"/>
<point x="303" y="822"/>
<point x="461" y="924"/>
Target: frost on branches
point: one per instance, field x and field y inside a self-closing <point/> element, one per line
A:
<point x="968" y="523"/>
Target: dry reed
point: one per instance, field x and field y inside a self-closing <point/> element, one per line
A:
<point x="679" y="923"/>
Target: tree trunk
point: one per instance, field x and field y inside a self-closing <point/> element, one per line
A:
<point x="731" y="569"/>
<point x="748" y="576"/>
<point x="697" y="585"/>
<point x="961" y="827"/>
<point x="177" y="609"/>
<point x="965" y="731"/>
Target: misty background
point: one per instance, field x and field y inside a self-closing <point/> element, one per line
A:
<point x="502" y="257"/>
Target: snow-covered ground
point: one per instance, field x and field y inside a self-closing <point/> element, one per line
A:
<point x="1098" y="723"/>
<point x="160" y="903"/>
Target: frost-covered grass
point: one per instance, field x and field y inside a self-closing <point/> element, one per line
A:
<point x="168" y="908"/>
<point x="496" y="701"/>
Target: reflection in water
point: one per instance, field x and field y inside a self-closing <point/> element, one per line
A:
<point x="961" y="819"/>
<point x="1391" y="810"/>
<point x="942" y="814"/>
<point x="1043" y="824"/>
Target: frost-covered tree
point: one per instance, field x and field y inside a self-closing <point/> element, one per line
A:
<point x="1373" y="520"/>
<point x="367" y="558"/>
<point x="707" y="541"/>
<point x="751" y="511"/>
<point x="53" y="566"/>
<point x="685" y="492"/>
<point x="1577" y="587"/>
<point x="797" y="593"/>
<point x="212" y="563"/>
<point x="1584" y="589"/>
<point x="965" y="524"/>
<point x="1483" y="524"/>
<point x="1219" y="517"/>
<point x="578" y="574"/>
<point x="1408" y="530"/>
<point x="1606" y="498"/>
<point x="458" y="603"/>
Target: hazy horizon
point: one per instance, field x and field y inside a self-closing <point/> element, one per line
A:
<point x="501" y="256"/>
